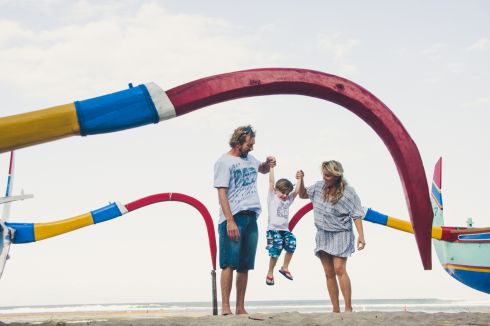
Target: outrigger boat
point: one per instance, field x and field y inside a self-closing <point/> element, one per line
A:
<point x="464" y="252"/>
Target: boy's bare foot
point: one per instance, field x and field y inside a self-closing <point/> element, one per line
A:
<point x="241" y="312"/>
<point x="348" y="309"/>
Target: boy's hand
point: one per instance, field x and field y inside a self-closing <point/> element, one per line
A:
<point x="300" y="174"/>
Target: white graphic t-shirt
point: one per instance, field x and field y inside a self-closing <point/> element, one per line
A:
<point x="278" y="212"/>
<point x="239" y="175"/>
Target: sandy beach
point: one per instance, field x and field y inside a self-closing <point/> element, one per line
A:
<point x="161" y="317"/>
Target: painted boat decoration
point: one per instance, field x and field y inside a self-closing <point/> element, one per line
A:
<point x="7" y="233"/>
<point x="19" y="233"/>
<point x="464" y="252"/>
<point x="33" y="232"/>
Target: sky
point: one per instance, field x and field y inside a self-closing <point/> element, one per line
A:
<point x="428" y="61"/>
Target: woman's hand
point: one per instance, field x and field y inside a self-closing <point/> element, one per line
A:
<point x="361" y="243"/>
<point x="300" y="174"/>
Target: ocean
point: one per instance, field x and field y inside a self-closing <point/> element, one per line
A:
<point x="303" y="306"/>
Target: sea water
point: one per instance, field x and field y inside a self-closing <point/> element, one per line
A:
<point x="302" y="306"/>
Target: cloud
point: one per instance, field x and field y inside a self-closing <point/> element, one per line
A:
<point x="482" y="44"/>
<point x="456" y="67"/>
<point x="110" y="50"/>
<point x="434" y="52"/>
<point x="480" y="102"/>
<point x="339" y="49"/>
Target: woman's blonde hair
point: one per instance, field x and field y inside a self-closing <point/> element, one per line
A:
<point x="335" y="168"/>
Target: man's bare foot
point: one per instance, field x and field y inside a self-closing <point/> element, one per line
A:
<point x="348" y="309"/>
<point x="336" y="310"/>
<point x="241" y="312"/>
<point x="225" y="311"/>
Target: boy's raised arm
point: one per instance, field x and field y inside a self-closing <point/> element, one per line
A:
<point x="271" y="179"/>
<point x="300" y="187"/>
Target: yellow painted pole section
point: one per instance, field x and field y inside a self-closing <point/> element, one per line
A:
<point x="407" y="227"/>
<point x="466" y="268"/>
<point x="37" y="127"/>
<point x="47" y="230"/>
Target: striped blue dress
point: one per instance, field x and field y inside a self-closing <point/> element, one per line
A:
<point x="334" y="222"/>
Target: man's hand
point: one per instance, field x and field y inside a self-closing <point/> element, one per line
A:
<point x="232" y="230"/>
<point x="271" y="161"/>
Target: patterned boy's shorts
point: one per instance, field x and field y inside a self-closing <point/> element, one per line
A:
<point x="279" y="240"/>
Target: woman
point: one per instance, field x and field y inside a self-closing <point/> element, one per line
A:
<point x="335" y="206"/>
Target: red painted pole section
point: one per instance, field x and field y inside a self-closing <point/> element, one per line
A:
<point x="269" y="81"/>
<point x="437" y="178"/>
<point x="172" y="196"/>
<point x="299" y="214"/>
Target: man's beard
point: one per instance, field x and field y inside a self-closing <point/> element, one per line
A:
<point x="243" y="154"/>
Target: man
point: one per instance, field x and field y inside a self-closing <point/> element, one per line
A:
<point x="235" y="176"/>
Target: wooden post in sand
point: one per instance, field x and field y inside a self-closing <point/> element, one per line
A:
<point x="215" y="298"/>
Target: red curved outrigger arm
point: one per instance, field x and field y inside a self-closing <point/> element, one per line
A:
<point x="268" y="81"/>
<point x="173" y="196"/>
<point x="299" y="214"/>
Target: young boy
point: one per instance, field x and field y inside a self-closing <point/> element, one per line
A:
<point x="281" y="196"/>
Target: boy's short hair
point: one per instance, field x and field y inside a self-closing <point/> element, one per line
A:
<point x="284" y="185"/>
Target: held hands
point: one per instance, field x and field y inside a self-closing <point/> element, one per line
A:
<point x="361" y="243"/>
<point x="300" y="174"/>
<point x="271" y="161"/>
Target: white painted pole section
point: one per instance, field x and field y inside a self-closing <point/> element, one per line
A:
<point x="121" y="207"/>
<point x="10" y="186"/>
<point x="165" y="108"/>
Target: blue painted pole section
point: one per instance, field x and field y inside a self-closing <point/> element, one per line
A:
<point x="477" y="236"/>
<point x="24" y="232"/>
<point x="7" y="192"/>
<point x="437" y="194"/>
<point x="117" y="111"/>
<point x="106" y="213"/>
<point x="375" y="217"/>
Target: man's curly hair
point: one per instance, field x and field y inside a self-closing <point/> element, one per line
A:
<point x="240" y="134"/>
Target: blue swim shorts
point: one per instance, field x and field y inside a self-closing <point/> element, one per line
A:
<point x="239" y="255"/>
<point x="279" y="240"/>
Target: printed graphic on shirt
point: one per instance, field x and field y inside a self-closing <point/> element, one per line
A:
<point x="244" y="181"/>
<point x="283" y="209"/>
<point x="244" y="177"/>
